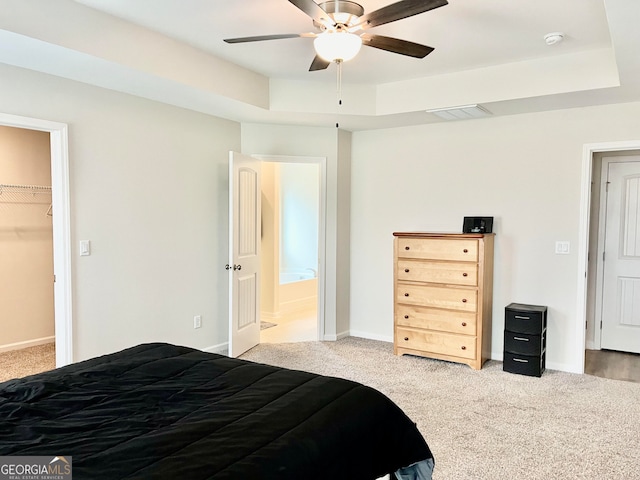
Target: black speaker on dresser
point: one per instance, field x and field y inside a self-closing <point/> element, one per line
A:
<point x="525" y="339"/>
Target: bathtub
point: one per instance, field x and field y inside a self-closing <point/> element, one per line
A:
<point x="296" y="276"/>
<point x="298" y="291"/>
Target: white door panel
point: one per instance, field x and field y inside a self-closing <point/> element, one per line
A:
<point x="244" y="253"/>
<point x="621" y="274"/>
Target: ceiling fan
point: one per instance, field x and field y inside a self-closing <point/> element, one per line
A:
<point x="341" y="27"/>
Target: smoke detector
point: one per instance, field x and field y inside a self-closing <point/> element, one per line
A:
<point x="553" y="38"/>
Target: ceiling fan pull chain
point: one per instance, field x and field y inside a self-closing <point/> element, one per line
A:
<point x="339" y="88"/>
<point x="339" y="69"/>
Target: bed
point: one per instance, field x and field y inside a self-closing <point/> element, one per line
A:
<point x="161" y="411"/>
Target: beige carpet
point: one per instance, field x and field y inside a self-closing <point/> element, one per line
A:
<point x="490" y="424"/>
<point x="27" y="361"/>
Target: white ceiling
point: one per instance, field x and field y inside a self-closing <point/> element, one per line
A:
<point x="486" y="51"/>
<point x="466" y="34"/>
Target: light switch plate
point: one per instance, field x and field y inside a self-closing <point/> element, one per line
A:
<point x="85" y="248"/>
<point x="563" y="248"/>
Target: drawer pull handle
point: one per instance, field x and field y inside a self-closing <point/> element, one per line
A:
<point x="463" y="347"/>
<point x="406" y="316"/>
<point x="465" y="251"/>
<point x="406" y="270"/>
<point x="521" y="339"/>
<point x="522" y="318"/>
<point x="406" y="339"/>
<point x="464" y="300"/>
<point x="521" y="360"/>
<point x="406" y="248"/>
<point x="406" y="294"/>
<point x="464" y="324"/>
<point x="464" y="274"/>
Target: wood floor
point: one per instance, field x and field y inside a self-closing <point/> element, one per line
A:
<point x="297" y="327"/>
<point x="614" y="365"/>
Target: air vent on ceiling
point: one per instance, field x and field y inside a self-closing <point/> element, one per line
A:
<point x="463" y="112"/>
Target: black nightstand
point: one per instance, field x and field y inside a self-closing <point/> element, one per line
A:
<point x="525" y="339"/>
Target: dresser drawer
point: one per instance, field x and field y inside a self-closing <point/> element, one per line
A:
<point x="524" y="343"/>
<point x="432" y="319"/>
<point x="463" y="299"/>
<point x="519" y="318"/>
<point x="438" y="249"/>
<point x="438" y="272"/>
<point x="437" y="342"/>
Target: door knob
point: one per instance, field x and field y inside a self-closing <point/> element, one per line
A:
<point x="237" y="267"/>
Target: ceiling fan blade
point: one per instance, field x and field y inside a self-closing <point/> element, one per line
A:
<point x="314" y="10"/>
<point x="318" y="63"/>
<point x="260" y="38"/>
<point x="398" y="11"/>
<point x="395" y="45"/>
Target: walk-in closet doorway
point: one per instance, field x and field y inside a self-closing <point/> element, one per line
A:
<point x="60" y="226"/>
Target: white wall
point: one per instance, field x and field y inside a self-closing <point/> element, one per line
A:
<point x="299" y="210"/>
<point x="149" y="187"/>
<point x="270" y="240"/>
<point x="523" y="170"/>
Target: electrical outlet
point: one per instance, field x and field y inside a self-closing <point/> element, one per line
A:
<point x="197" y="321"/>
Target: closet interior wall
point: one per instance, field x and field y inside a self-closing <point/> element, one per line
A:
<point x="26" y="239"/>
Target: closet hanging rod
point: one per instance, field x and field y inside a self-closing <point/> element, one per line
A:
<point x="25" y="188"/>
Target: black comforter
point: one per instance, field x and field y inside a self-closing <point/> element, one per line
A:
<point x="159" y="411"/>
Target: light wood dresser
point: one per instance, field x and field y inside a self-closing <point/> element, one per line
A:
<point x="443" y="288"/>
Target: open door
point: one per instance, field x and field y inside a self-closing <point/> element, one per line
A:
<point x="244" y="253"/>
<point x="621" y="278"/>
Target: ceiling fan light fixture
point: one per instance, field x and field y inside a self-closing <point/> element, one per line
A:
<point x="342" y="11"/>
<point x="337" y="45"/>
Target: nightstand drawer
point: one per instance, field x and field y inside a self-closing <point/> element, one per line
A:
<point x="525" y="318"/>
<point x="438" y="249"/>
<point x="524" y="343"/>
<point x="442" y="343"/>
<point x="463" y="299"/>
<point x="433" y="319"/>
<point x="438" y="272"/>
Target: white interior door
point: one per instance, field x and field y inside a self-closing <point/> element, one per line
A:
<point x="244" y="253"/>
<point x="621" y="273"/>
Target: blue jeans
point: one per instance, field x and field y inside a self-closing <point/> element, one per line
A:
<point x="418" y="471"/>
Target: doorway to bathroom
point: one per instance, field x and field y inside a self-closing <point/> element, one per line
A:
<point x="292" y="243"/>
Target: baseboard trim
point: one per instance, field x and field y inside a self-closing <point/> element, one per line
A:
<point x="221" y="348"/>
<point x="343" y="335"/>
<point x="26" y="344"/>
<point x="372" y="336"/>
<point x="333" y="337"/>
